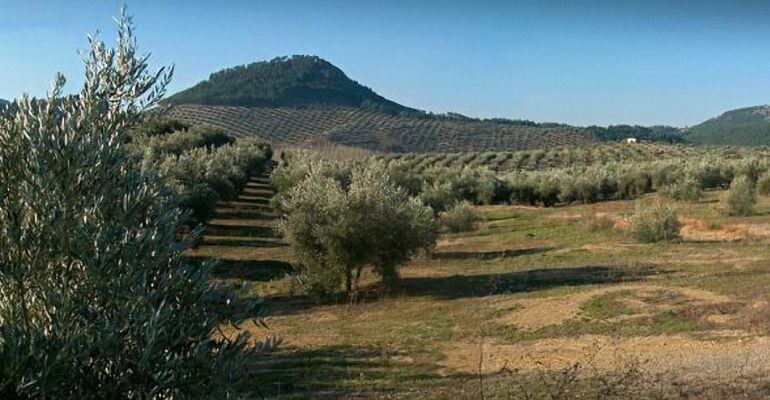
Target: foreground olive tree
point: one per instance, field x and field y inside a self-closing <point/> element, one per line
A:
<point x="96" y="300"/>
<point x="336" y="231"/>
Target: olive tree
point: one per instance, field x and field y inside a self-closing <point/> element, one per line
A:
<point x="96" y="300"/>
<point x="741" y="198"/>
<point x="335" y="231"/>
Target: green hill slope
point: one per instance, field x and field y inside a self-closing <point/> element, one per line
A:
<point x="742" y="127"/>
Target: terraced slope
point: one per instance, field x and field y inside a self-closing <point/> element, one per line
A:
<point x="371" y="130"/>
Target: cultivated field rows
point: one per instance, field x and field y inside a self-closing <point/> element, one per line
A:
<point x="375" y="131"/>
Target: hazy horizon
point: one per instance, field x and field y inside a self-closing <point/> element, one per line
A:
<point x="582" y="62"/>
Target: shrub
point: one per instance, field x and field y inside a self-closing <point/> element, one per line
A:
<point x="547" y="190"/>
<point x="763" y="184"/>
<point x="741" y="197"/>
<point x="96" y="299"/>
<point x="460" y="218"/>
<point x="522" y="188"/>
<point x="651" y="223"/>
<point x="688" y="189"/>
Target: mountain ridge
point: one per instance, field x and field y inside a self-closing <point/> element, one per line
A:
<point x="746" y="126"/>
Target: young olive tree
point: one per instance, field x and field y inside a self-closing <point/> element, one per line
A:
<point x="335" y="231"/>
<point x="96" y="300"/>
<point x="741" y="198"/>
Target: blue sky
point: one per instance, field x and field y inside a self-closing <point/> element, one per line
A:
<point x="580" y="62"/>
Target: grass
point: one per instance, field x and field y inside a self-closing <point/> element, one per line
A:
<point x="422" y="340"/>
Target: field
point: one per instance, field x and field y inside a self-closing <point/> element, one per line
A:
<point x="543" y="301"/>
<point x="359" y="128"/>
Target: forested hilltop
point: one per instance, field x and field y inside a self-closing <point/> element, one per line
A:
<point x="285" y="82"/>
<point x="742" y="127"/>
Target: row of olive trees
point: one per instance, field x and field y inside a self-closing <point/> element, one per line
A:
<point x="96" y="300"/>
<point x="149" y="141"/>
<point x="680" y="179"/>
<point x="203" y="176"/>
<point x="564" y="157"/>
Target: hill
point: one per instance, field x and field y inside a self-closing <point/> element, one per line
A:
<point x="742" y="127"/>
<point x="377" y="131"/>
<point x="4" y="102"/>
<point x="285" y="82"/>
<point x="306" y="101"/>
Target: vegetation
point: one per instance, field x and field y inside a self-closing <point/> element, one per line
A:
<point x="763" y="184"/>
<point x="563" y="157"/>
<point x="286" y="82"/>
<point x="336" y="231"/>
<point x="363" y="128"/>
<point x="96" y="300"/>
<point x="462" y="217"/>
<point x="741" y="198"/>
<point x="617" y="133"/>
<point x="200" y="177"/>
<point x="650" y="223"/>
<point x="687" y="189"/>
<point x="178" y="141"/>
<point x="741" y="127"/>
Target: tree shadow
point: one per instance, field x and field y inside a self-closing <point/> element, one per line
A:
<point x="239" y="242"/>
<point x="461" y="286"/>
<point x="233" y="213"/>
<point x="480" y="285"/>
<point x="487" y="255"/>
<point x="251" y="270"/>
<point x="240" y="230"/>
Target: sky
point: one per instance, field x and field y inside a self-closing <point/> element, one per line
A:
<point x="582" y="62"/>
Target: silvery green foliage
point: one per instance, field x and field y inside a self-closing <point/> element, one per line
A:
<point x="202" y="176"/>
<point x="763" y="184"/>
<point x="297" y="166"/>
<point x="460" y="218"/>
<point x="335" y="231"/>
<point x="96" y="300"/>
<point x="180" y="141"/>
<point x="687" y="189"/>
<point x="653" y="222"/>
<point x="741" y="198"/>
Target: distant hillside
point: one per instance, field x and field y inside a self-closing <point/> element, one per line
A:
<point x="307" y="101"/>
<point x="285" y="82"/>
<point x="742" y="127"/>
<point x="4" y="102"/>
<point x="377" y="131"/>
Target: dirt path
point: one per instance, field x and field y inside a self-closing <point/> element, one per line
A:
<point x="242" y="231"/>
